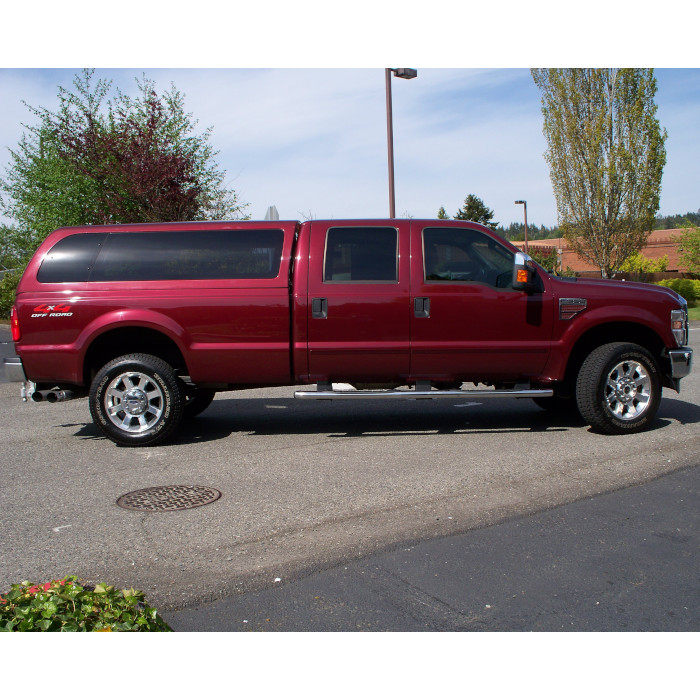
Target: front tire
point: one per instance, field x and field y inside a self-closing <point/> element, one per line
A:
<point x="136" y="400"/>
<point x="618" y="389"/>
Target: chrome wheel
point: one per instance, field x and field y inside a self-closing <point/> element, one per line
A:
<point x="133" y="402"/>
<point x="618" y="388"/>
<point x="136" y="400"/>
<point x="628" y="390"/>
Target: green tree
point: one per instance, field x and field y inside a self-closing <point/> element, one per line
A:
<point x="689" y="246"/>
<point x="475" y="210"/>
<point x="606" y="153"/>
<point x="677" y="220"/>
<point x="96" y="160"/>
<point x="43" y="191"/>
<point x="442" y="214"/>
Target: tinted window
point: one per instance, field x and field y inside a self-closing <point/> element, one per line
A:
<point x="464" y="255"/>
<point x="362" y="254"/>
<point x="190" y="255"/>
<point x="71" y="259"/>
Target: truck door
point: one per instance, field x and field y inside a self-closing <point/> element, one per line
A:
<point x="467" y="323"/>
<point x="358" y="302"/>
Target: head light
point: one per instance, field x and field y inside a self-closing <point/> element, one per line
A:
<point x="679" y="325"/>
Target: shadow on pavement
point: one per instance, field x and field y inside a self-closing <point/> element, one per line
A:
<point x="385" y="419"/>
<point x="291" y="417"/>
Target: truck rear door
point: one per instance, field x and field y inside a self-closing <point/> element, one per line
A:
<point x="358" y="301"/>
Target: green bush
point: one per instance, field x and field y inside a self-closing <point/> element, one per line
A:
<point x="637" y="263"/>
<point x="688" y="289"/>
<point x="66" y="606"/>
<point x="8" y="286"/>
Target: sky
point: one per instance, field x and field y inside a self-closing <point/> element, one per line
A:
<point x="303" y="127"/>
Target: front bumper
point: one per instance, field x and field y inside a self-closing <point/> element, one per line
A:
<point x="14" y="369"/>
<point x="681" y="362"/>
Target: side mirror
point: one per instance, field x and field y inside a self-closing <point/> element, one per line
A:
<point x="524" y="276"/>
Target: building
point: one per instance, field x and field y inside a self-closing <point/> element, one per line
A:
<point x="660" y="243"/>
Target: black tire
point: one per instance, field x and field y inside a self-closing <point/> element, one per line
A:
<point x="136" y="400"/>
<point x="197" y="400"/>
<point x="618" y="389"/>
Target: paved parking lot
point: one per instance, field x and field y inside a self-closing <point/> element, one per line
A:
<point x="305" y="485"/>
<point x="622" y="561"/>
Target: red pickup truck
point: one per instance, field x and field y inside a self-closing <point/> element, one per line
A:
<point x="150" y="320"/>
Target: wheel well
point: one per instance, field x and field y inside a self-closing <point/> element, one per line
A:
<point x="609" y="333"/>
<point x="122" y="341"/>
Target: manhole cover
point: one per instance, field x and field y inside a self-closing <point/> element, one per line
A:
<point x="168" y="498"/>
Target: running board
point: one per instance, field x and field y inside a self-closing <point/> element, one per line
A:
<point x="423" y="391"/>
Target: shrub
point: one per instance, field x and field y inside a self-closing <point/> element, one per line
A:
<point x="8" y="286"/>
<point x="638" y="263"/>
<point x="66" y="606"/>
<point x="688" y="289"/>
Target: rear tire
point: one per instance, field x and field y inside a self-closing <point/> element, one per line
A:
<point x="136" y="400"/>
<point x="618" y="389"/>
<point x="197" y="401"/>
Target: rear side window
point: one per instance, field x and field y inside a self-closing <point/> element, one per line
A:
<point x="190" y="255"/>
<point x="71" y="259"/>
<point x="361" y="254"/>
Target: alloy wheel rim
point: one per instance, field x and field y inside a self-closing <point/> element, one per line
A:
<point x="628" y="390"/>
<point x="134" y="402"/>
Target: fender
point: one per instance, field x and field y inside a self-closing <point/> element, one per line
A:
<point x="69" y="359"/>
<point x="592" y="318"/>
<point x="132" y="317"/>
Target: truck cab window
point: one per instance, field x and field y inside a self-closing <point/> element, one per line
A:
<point x="361" y="254"/>
<point x="465" y="255"/>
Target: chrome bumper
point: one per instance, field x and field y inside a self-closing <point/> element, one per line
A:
<point x="681" y="362"/>
<point x="14" y="370"/>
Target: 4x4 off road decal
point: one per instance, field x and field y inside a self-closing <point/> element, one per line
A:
<point x="51" y="310"/>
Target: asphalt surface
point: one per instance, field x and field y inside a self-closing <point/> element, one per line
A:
<point x="397" y="515"/>
<point x="7" y="348"/>
<point x="625" y="561"/>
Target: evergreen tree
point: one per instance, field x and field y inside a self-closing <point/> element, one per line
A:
<point x="475" y="210"/>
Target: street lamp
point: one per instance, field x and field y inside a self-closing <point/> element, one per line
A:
<point x="406" y="74"/>
<point x="524" y="203"/>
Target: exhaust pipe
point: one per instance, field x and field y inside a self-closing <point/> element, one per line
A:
<point x="53" y="395"/>
<point x="59" y="395"/>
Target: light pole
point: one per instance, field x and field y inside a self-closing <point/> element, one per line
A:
<point x="406" y="74"/>
<point x="524" y="203"/>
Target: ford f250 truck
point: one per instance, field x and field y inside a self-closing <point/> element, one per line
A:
<point x="150" y="320"/>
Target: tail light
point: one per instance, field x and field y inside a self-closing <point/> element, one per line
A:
<point x="14" y="325"/>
